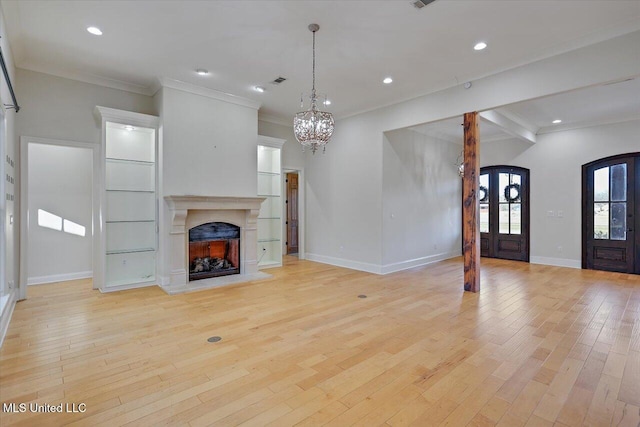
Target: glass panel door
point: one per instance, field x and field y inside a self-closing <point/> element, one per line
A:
<point x="609" y="214"/>
<point x="503" y="196"/>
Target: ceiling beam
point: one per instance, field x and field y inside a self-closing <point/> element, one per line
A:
<point x="509" y="126"/>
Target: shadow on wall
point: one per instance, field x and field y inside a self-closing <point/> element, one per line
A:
<point x="428" y="161"/>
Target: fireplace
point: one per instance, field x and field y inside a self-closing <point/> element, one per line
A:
<point x="186" y="214"/>
<point x="214" y="250"/>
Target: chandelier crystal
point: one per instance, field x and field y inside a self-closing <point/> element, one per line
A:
<point x="313" y="128"/>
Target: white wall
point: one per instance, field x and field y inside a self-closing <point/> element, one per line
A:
<point x="344" y="201"/>
<point x="556" y="163"/>
<point x="422" y="195"/>
<point x="60" y="182"/>
<point x="209" y="146"/>
<point x="11" y="237"/>
<point x="58" y="108"/>
<point x="344" y="196"/>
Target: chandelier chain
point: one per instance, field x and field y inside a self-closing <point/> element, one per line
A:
<point x="313" y="85"/>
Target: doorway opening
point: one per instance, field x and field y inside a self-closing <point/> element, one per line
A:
<point x="293" y="208"/>
<point x="58" y="199"/>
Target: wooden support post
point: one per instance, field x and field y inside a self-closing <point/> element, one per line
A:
<point x="470" y="211"/>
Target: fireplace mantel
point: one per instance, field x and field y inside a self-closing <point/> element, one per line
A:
<point x="189" y="211"/>
<point x="213" y="203"/>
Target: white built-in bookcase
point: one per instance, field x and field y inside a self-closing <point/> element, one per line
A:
<point x="270" y="187"/>
<point x="129" y="208"/>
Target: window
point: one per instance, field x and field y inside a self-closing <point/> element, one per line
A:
<point x="483" y="197"/>
<point x="610" y="202"/>
<point x="510" y="203"/>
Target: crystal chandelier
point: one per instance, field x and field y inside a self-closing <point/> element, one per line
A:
<point x="313" y="128"/>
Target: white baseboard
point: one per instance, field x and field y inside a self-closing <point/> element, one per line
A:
<point x="106" y="290"/>
<point x="558" y="262"/>
<point x="40" y="280"/>
<point x="346" y="263"/>
<point x="404" y="265"/>
<point x="163" y="280"/>
<point x="6" y="311"/>
<point x="381" y="269"/>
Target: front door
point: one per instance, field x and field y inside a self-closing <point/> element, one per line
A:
<point x="504" y="212"/>
<point x="611" y="215"/>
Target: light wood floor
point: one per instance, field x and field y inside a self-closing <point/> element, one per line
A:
<point x="539" y="345"/>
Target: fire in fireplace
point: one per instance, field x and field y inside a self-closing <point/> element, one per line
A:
<point x="214" y="250"/>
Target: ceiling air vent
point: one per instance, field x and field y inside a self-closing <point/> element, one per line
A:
<point x="279" y="80"/>
<point x="419" y="4"/>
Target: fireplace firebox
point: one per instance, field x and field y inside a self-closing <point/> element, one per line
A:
<point x="214" y="250"/>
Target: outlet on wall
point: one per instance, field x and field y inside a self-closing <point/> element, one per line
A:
<point x="10" y="284"/>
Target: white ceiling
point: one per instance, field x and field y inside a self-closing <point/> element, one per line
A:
<point x="595" y="105"/>
<point x="247" y="43"/>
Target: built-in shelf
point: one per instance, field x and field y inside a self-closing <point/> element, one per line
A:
<point x="267" y="264"/>
<point x="139" y="162"/>
<point x="130" y="221"/>
<point x="270" y="187"/>
<point x="134" y="191"/>
<point x="129" y="236"/>
<point x="130" y="251"/>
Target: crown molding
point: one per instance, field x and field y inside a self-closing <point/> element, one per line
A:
<point x="125" y="117"/>
<point x="270" y="141"/>
<point x="274" y="119"/>
<point x="206" y="92"/>
<point x="90" y="79"/>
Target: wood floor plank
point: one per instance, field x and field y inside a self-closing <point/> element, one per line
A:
<point x="302" y="349"/>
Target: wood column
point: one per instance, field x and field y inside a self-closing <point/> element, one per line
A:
<point x="470" y="211"/>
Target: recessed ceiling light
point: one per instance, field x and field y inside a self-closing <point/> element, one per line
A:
<point x="129" y="128"/>
<point x="327" y="102"/>
<point x="556" y="121"/>
<point x="202" y="72"/>
<point x="480" y="46"/>
<point x="95" y="31"/>
<point x="387" y="80"/>
<point x="258" y="89"/>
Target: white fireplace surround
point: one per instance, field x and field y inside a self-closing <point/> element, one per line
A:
<point x="187" y="212"/>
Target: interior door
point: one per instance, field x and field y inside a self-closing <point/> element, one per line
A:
<point x="503" y="195"/>
<point x="611" y="215"/>
<point x="292" y="213"/>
